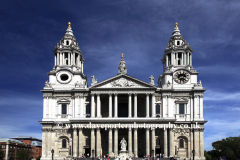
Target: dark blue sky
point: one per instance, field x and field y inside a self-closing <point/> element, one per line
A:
<point x="140" y="29"/>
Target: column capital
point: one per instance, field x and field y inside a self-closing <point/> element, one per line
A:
<point x="129" y="94"/>
<point x="135" y="94"/>
<point x="92" y="94"/>
<point x="110" y="94"/>
<point x="153" y="94"/>
<point x="115" y="94"/>
<point x="147" y="94"/>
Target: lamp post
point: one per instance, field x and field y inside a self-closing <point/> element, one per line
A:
<point x="220" y="153"/>
<point x="153" y="154"/>
<point x="193" y="152"/>
<point x="52" y="151"/>
<point x="92" y="154"/>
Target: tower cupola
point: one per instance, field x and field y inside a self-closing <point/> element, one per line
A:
<point x="67" y="52"/>
<point x="178" y="53"/>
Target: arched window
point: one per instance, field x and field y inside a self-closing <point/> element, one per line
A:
<point x="157" y="142"/>
<point x="67" y="42"/>
<point x="64" y="143"/>
<point x="181" y="143"/>
<point x="158" y="110"/>
<point x="87" y="142"/>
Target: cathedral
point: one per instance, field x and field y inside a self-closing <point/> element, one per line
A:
<point x="123" y="116"/>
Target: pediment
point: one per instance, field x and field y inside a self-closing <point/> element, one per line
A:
<point x="123" y="81"/>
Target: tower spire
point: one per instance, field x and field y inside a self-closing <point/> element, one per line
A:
<point x="176" y="30"/>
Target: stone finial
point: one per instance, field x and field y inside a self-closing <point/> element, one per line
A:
<point x="176" y="26"/>
<point x="94" y="81"/>
<point x="151" y="80"/>
<point x="69" y="25"/>
<point x="122" y="57"/>
<point x="122" y="69"/>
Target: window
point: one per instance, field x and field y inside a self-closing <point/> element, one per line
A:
<point x="88" y="110"/>
<point x="181" y="108"/>
<point x="64" y="143"/>
<point x="87" y="142"/>
<point x="3" y="146"/>
<point x="181" y="141"/>
<point x="67" y="42"/>
<point x="178" y="42"/>
<point x="64" y="108"/>
<point x="157" y="142"/>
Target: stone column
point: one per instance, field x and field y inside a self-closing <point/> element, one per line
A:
<point x="57" y="59"/>
<point x="172" y="58"/>
<point x="153" y="140"/>
<point x="153" y="105"/>
<point x="56" y="148"/>
<point x="68" y="59"/>
<point x="171" y="143"/>
<point x="195" y="107"/>
<point x="98" y="106"/>
<point x="177" y="58"/>
<point x="166" y="60"/>
<point x="98" y="142"/>
<point x="182" y="58"/>
<point x="110" y="105"/>
<point x="80" y="137"/>
<point x="147" y="142"/>
<point x="187" y="58"/>
<point x="196" y="143"/>
<point x="129" y="105"/>
<point x="110" y="142"/>
<point x="92" y="106"/>
<point x="191" y="59"/>
<point x="75" y="142"/>
<point x="49" y="143"/>
<point x="115" y="142"/>
<point x="201" y="143"/>
<point x="165" y="143"/>
<point x="81" y="104"/>
<point x="135" y="142"/>
<point x="201" y="106"/>
<point x="115" y="105"/>
<point x="93" y="142"/>
<point x="130" y="142"/>
<point x="135" y="105"/>
<point x="147" y="105"/>
<point x="44" y="141"/>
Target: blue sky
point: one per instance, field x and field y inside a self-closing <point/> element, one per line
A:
<point x="140" y="29"/>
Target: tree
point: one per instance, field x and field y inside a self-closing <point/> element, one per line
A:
<point x="207" y="156"/>
<point x="39" y="157"/>
<point x="229" y="148"/>
<point x="2" y="154"/>
<point x="22" y="155"/>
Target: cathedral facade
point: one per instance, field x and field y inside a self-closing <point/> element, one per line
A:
<point x="93" y="120"/>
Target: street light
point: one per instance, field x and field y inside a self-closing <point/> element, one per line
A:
<point x="193" y="151"/>
<point x="92" y="154"/>
<point x="52" y="151"/>
<point x="153" y="154"/>
<point x="220" y="153"/>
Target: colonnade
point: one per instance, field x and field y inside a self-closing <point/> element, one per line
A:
<point x="172" y="58"/>
<point x="73" y="59"/>
<point x="115" y="97"/>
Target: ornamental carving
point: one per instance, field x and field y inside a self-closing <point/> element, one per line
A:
<point x="122" y="82"/>
<point x="157" y="99"/>
<point x="182" y="131"/>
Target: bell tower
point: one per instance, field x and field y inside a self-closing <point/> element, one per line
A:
<point x="67" y="72"/>
<point x="177" y="63"/>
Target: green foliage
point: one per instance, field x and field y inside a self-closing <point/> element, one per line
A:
<point x="2" y="154"/>
<point x="229" y="148"/>
<point x="22" y="155"/>
<point x="207" y="156"/>
<point x="38" y="158"/>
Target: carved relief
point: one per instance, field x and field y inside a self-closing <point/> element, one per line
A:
<point x="122" y="82"/>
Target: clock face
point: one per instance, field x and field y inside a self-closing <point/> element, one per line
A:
<point x="181" y="77"/>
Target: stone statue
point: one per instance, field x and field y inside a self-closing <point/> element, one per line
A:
<point x="94" y="81"/>
<point x="151" y="80"/>
<point x="123" y="144"/>
<point x="47" y="84"/>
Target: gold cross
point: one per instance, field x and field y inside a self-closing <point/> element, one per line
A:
<point x="122" y="57"/>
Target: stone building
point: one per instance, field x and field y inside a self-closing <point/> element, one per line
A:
<point x="165" y="119"/>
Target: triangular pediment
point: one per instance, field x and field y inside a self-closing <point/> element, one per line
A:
<point x="123" y="81"/>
